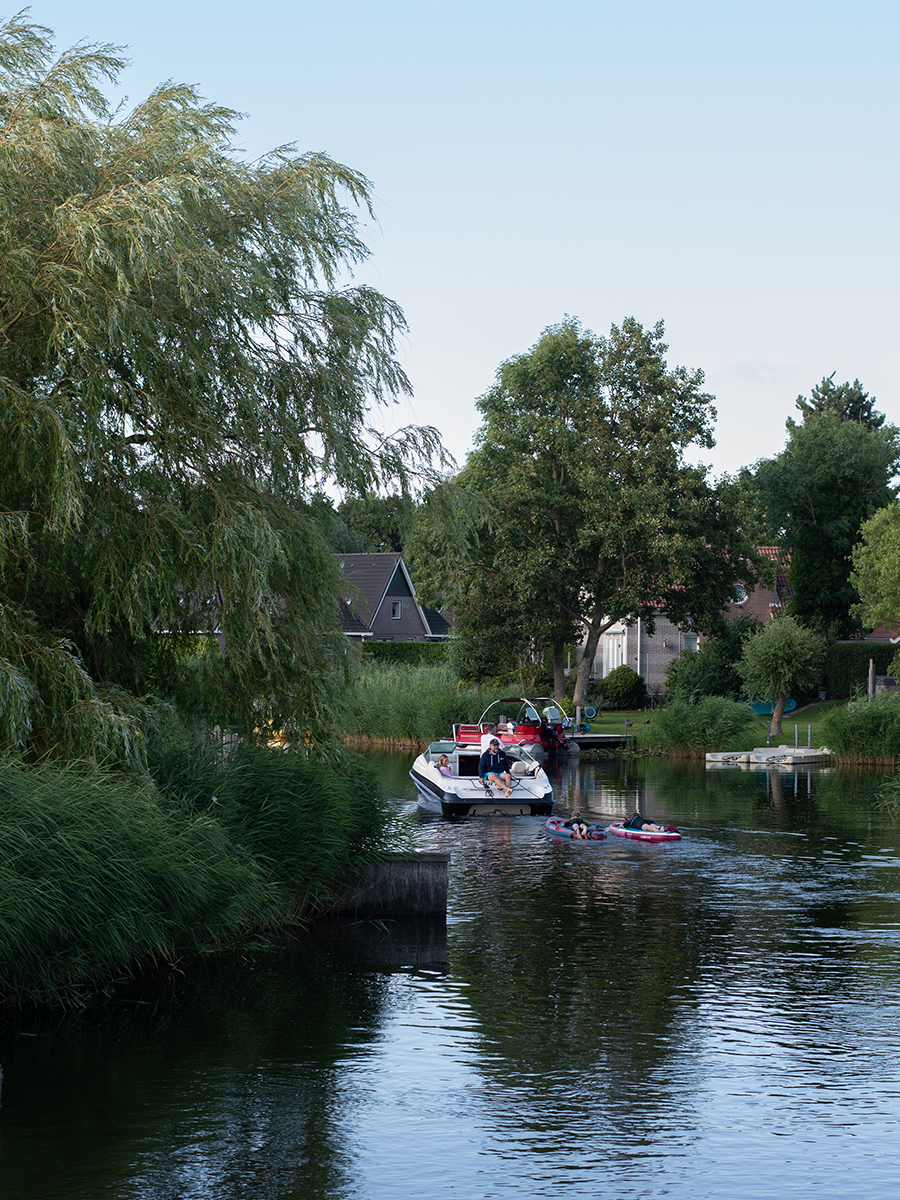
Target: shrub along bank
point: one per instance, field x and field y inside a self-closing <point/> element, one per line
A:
<point x="692" y="730"/>
<point x="866" y="731"/>
<point x="99" y="875"/>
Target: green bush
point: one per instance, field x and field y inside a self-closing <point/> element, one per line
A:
<point x="847" y="665"/>
<point x="692" y="730"/>
<point x="865" y="730"/>
<point x="622" y="688"/>
<point x="711" y="670"/>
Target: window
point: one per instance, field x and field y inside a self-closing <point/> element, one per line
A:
<point x="691" y="641"/>
<point x="396" y="610"/>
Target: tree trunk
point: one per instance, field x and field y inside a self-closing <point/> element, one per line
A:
<point x="777" y="714"/>
<point x="595" y="629"/>
<point x="559" y="672"/>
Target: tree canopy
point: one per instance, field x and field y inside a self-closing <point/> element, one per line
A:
<point x="181" y="364"/>
<point x="846" y="401"/>
<point x="833" y="474"/>
<point x="781" y="658"/>
<point x="876" y="568"/>
<point x="585" y="511"/>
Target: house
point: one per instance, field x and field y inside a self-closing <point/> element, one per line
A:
<point x="380" y="602"/>
<point x="650" y="654"/>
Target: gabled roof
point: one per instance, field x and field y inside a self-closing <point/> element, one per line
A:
<point x="437" y="623"/>
<point x="370" y="574"/>
<point x="372" y="577"/>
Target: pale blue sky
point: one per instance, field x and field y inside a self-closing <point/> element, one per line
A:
<point x="729" y="168"/>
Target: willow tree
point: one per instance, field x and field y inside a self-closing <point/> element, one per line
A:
<point x="591" y="513"/>
<point x="180" y="367"/>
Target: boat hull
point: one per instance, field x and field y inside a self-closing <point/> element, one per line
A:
<point x="617" y="829"/>
<point x="469" y="796"/>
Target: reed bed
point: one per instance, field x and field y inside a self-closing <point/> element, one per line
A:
<point x="101" y="875"/>
<point x="400" y="703"/>
<point x="95" y="876"/>
<point x="692" y="730"/>
<point x="864" y="731"/>
<point x="310" y="825"/>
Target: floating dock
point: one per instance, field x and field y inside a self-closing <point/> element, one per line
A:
<point x="771" y="756"/>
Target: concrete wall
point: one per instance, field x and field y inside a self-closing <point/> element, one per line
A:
<point x="410" y="885"/>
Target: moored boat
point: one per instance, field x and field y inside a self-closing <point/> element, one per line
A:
<point x="620" y="829"/>
<point x="463" y="793"/>
<point x="559" y="828"/>
<point x="517" y="721"/>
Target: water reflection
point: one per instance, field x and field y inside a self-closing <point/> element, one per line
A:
<point x="713" y="1017"/>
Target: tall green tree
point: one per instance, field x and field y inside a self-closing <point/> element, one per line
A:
<point x="781" y="658"/>
<point x="833" y="474"/>
<point x="179" y="368"/>
<point x="380" y="521"/>
<point x="586" y="512"/>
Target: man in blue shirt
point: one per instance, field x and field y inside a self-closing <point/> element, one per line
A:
<point x="493" y="767"/>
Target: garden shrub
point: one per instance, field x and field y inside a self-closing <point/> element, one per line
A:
<point x="410" y="653"/>
<point x="622" y="688"/>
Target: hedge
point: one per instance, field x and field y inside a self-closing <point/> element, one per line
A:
<point x="847" y="665"/>
<point x="412" y="653"/>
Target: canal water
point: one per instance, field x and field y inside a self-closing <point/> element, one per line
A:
<point x="714" y="1018"/>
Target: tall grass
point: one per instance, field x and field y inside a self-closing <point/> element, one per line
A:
<point x="864" y="731"/>
<point x="404" y="703"/>
<point x="95" y="875"/>
<point x="100" y="874"/>
<point x="692" y="730"/>
<point x="311" y="826"/>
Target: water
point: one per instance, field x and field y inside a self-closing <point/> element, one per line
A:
<point x="717" y="1017"/>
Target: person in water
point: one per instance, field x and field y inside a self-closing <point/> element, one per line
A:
<point x="577" y="824"/>
<point x="493" y="767"/>
<point x="639" y="822"/>
<point x="444" y="765"/>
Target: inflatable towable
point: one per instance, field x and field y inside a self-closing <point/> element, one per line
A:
<point x="558" y="827"/>
<point x="620" y="829"/>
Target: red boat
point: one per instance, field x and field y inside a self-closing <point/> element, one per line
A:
<point x="518" y="721"/>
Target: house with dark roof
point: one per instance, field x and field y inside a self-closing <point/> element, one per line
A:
<point x="380" y="602"/>
<point x="650" y="654"/>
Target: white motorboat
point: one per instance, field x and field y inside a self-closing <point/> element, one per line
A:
<point x="463" y="793"/>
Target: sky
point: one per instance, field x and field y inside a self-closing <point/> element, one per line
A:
<point x="730" y="169"/>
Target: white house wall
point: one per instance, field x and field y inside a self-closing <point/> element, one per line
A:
<point x="647" y="654"/>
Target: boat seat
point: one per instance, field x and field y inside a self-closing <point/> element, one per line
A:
<point x="519" y="768"/>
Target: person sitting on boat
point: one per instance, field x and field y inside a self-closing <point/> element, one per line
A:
<point x="443" y="765"/>
<point x="489" y="735"/>
<point x="493" y="767"/>
<point x="639" y="822"/>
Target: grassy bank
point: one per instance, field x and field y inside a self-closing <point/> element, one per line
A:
<point x="100" y="876"/>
